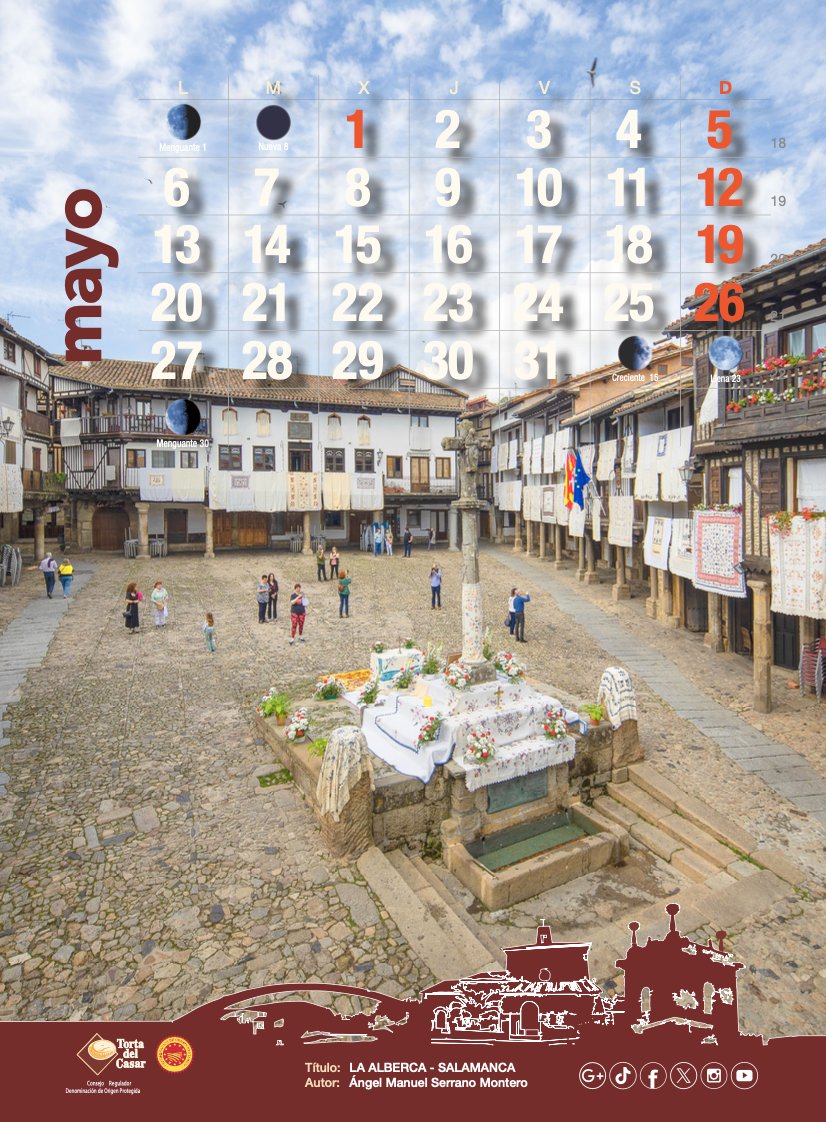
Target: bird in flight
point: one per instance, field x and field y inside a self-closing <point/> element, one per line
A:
<point x="283" y="204"/>
<point x="592" y="73"/>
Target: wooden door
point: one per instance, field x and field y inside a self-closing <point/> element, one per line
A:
<point x="176" y="526"/>
<point x="420" y="474"/>
<point x="253" y="530"/>
<point x="110" y="528"/>
<point x="786" y="641"/>
<point x="222" y="528"/>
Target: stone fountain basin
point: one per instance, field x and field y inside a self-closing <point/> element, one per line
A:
<point x="580" y="841"/>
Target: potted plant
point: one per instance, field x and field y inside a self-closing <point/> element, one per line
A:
<point x="370" y="692"/>
<point x="432" y="661"/>
<point x="299" y="723"/>
<point x="554" y="725"/>
<point x="593" y="711"/>
<point x="328" y="688"/>
<point x="405" y="678"/>
<point x="481" y="747"/>
<point x="274" y="704"/>
<point x="429" y="730"/>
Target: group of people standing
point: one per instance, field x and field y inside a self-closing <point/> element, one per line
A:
<point x="515" y="622"/>
<point x="159" y="599"/>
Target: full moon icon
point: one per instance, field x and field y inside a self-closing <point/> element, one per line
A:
<point x="725" y="352"/>
<point x="273" y="122"/>
<point x="182" y="416"/>
<point x="634" y="352"/>
<point x="184" y="121"/>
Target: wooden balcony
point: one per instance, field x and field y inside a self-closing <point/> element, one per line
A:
<point x="134" y="424"/>
<point x="43" y="482"/>
<point x="786" y="401"/>
<point x="36" y="423"/>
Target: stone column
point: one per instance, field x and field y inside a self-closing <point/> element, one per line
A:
<point x="528" y="537"/>
<point x="473" y="625"/>
<point x="307" y="548"/>
<point x="652" y="600"/>
<point x="453" y="530"/>
<point x="517" y="533"/>
<point x="39" y="536"/>
<point x="209" y="544"/>
<point x="558" y="562"/>
<point x="591" y="574"/>
<point x="667" y="599"/>
<point x="761" y="645"/>
<point x="542" y="537"/>
<point x="580" y="558"/>
<point x="497" y="523"/>
<point x="143" y="529"/>
<point x="714" y="636"/>
<point x="621" y="589"/>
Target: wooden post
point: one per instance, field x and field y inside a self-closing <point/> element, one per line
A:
<point x="558" y="546"/>
<point x="621" y="589"/>
<point x="591" y="574"/>
<point x="761" y="645"/>
<point x="39" y="536"/>
<point x="209" y="542"/>
<point x="542" y="537"/>
<point x="714" y="636"/>
<point x="517" y="535"/>
<point x="528" y="537"/>
<point x="580" y="554"/>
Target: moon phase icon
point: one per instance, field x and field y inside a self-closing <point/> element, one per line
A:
<point x="634" y="352"/>
<point x="273" y="122"/>
<point x="725" y="352"/>
<point x="184" y="121"/>
<point x="182" y="416"/>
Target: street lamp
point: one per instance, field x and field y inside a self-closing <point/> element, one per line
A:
<point x="7" y="424"/>
<point x="687" y="471"/>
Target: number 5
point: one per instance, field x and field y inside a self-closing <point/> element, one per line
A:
<point x="719" y="130"/>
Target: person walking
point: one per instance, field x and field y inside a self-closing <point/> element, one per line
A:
<point x="160" y="602"/>
<point x="298" y="612"/>
<point x="435" y="586"/>
<point x="131" y="615"/>
<point x="334" y="563"/>
<point x="431" y="538"/>
<point x="65" y="573"/>
<point x="407" y="542"/>
<point x="321" y="563"/>
<point x="344" y="583"/>
<point x="262" y="594"/>
<point x="510" y="622"/>
<point x="520" y="599"/>
<point x="388" y="542"/>
<point x="272" y="602"/>
<point x="48" y="567"/>
<point x="209" y="632"/>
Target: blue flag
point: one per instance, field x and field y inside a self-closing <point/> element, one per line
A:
<point x="581" y="481"/>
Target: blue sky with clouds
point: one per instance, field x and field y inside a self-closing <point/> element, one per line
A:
<point x="84" y="89"/>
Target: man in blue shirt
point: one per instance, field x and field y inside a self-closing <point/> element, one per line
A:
<point x="519" y="602"/>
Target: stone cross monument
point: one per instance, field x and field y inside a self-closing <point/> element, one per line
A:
<point x="468" y="444"/>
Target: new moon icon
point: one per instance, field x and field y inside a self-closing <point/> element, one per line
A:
<point x="184" y="121"/>
<point x="273" y="122"/>
<point x="725" y="352"/>
<point x="182" y="416"/>
<point x="634" y="352"/>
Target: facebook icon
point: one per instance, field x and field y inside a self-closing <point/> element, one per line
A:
<point x="653" y="1076"/>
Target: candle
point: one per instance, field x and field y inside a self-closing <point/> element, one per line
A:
<point x="427" y="700"/>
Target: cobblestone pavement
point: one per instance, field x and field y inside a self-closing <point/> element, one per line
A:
<point x="141" y="875"/>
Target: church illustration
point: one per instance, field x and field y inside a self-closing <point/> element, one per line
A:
<point x="545" y="993"/>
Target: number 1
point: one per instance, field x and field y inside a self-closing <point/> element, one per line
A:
<point x="358" y="127"/>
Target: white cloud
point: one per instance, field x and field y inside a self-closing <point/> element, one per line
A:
<point x="409" y="31"/>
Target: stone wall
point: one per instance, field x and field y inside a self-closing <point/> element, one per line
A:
<point x="405" y="808"/>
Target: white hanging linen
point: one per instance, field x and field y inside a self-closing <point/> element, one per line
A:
<point x="366" y="491"/>
<point x="563" y="443"/>
<point x="657" y="541"/>
<point x="335" y="490"/>
<point x="548" y="454"/>
<point x="606" y="460"/>
<point x="536" y="456"/>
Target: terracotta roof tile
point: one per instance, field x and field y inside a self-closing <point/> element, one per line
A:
<point x="305" y="389"/>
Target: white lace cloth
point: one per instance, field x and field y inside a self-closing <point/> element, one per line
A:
<point x="616" y="693"/>
<point x="345" y="761"/>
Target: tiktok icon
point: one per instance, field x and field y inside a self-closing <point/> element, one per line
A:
<point x="622" y="1076"/>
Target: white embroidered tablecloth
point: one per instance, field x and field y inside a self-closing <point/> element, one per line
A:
<point x="520" y="758"/>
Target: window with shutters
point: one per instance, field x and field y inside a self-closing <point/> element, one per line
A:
<point x="136" y="457"/>
<point x="364" y="460"/>
<point x="9" y="351"/>
<point x="804" y="338"/>
<point x="334" y="427"/>
<point x="189" y="459"/>
<point x="734" y="486"/>
<point x="771" y="345"/>
<point x="229" y="457"/>
<point x="262" y="422"/>
<point x="393" y="467"/>
<point x="715" y="485"/>
<point x="363" y="430"/>
<point x="769" y="476"/>
<point x="811" y="484"/>
<point x="444" y="466"/>
<point x="162" y="457"/>
<point x="702" y="377"/>
<point x="747" y="347"/>
<point x="230" y="421"/>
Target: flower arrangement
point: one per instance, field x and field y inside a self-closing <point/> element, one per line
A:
<point x="318" y="746"/>
<point x="508" y="665"/>
<point x="377" y="647"/>
<point x="408" y="644"/>
<point x="809" y="382"/>
<point x="404" y="678"/>
<point x="272" y="704"/>
<point x="458" y="675"/>
<point x="429" y="730"/>
<point x="480" y="745"/>
<point x="328" y="688"/>
<point x="554" y="724"/>
<point x="370" y="692"/>
<point x="781" y="521"/>
<point x="733" y="508"/>
<point x="432" y="661"/>
<point x="298" y="725"/>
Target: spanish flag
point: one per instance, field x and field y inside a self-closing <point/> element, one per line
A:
<point x="576" y="480"/>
